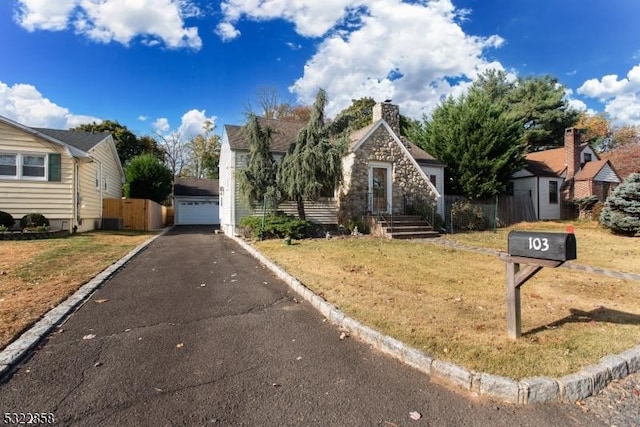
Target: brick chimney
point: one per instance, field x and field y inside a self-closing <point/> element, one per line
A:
<point x="390" y="113"/>
<point x="572" y="151"/>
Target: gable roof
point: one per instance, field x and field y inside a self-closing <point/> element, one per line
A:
<point x="196" y="187"/>
<point x="284" y="134"/>
<point x="547" y="163"/>
<point x="591" y="169"/>
<point x="70" y="149"/>
<point x="84" y="141"/>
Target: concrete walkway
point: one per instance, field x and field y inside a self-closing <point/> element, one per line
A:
<point x="193" y="330"/>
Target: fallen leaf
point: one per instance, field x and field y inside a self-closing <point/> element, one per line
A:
<point x="299" y="358"/>
<point x="97" y="364"/>
<point x="88" y="337"/>
<point x="100" y="301"/>
<point x="343" y="335"/>
<point x="157" y="389"/>
<point x="415" y="415"/>
<point x="202" y="285"/>
<point x="180" y="345"/>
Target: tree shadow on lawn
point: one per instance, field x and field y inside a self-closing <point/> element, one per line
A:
<point x="601" y="314"/>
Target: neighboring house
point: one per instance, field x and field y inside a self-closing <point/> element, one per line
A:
<point x="196" y="201"/>
<point x="64" y="175"/>
<point x="382" y="172"/>
<point x="555" y="178"/>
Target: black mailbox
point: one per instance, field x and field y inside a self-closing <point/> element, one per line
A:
<point x="552" y="246"/>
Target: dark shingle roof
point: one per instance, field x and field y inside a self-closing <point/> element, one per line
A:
<point x="195" y="187"/>
<point x="84" y="141"/>
<point x="284" y="134"/>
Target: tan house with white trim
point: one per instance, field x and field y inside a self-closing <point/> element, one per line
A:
<point x="64" y="175"/>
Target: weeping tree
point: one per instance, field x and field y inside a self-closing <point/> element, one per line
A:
<point x="259" y="178"/>
<point x="312" y="166"/>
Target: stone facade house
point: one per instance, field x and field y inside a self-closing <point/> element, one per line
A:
<point x="555" y="178"/>
<point x="382" y="172"/>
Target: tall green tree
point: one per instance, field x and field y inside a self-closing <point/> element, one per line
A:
<point x="313" y="164"/>
<point x="476" y="140"/>
<point x="146" y="177"/>
<point x="127" y="143"/>
<point x="259" y="178"/>
<point x="204" y="153"/>
<point x="537" y="104"/>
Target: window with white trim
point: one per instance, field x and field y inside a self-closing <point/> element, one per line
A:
<point x="23" y="166"/>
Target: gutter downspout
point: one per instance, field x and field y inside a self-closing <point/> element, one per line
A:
<point x="76" y="196"/>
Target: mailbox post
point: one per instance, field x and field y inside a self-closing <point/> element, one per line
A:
<point x="535" y="250"/>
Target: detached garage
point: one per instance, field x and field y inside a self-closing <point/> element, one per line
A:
<point x="196" y="201"/>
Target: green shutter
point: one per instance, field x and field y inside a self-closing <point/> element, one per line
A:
<point x="54" y="167"/>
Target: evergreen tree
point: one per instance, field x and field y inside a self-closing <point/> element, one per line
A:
<point x="537" y="104"/>
<point x="478" y="143"/>
<point x="258" y="179"/>
<point x="146" y="177"/>
<point x="127" y="143"/>
<point x="621" y="212"/>
<point x="313" y="164"/>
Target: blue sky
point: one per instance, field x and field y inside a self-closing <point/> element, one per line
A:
<point x="159" y="66"/>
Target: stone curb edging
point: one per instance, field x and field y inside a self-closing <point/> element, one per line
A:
<point x="571" y="388"/>
<point x="14" y="352"/>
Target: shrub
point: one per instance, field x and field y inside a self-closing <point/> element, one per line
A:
<point x="34" y="220"/>
<point x="6" y="219"/>
<point x="621" y="212"/>
<point x="276" y="226"/>
<point x="467" y="217"/>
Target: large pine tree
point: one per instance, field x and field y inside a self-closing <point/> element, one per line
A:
<point x="313" y="164"/>
<point x="478" y="143"/>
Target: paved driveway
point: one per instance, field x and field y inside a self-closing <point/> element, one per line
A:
<point x="194" y="331"/>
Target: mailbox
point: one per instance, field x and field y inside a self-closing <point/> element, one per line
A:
<point x="552" y="246"/>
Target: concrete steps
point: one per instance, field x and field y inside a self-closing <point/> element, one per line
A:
<point x="406" y="227"/>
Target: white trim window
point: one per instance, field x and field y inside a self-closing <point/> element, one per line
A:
<point x="33" y="167"/>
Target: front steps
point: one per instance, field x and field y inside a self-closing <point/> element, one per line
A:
<point x="403" y="227"/>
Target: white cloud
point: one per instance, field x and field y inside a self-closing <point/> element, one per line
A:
<point x="227" y="31"/>
<point x="311" y="18"/>
<point x="429" y="58"/>
<point x="142" y="118"/>
<point x="115" y="20"/>
<point x="191" y="124"/>
<point x="24" y="104"/>
<point x="621" y="96"/>
<point x="161" y="125"/>
<point x="625" y="109"/>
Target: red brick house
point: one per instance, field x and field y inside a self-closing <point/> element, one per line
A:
<point x="555" y="178"/>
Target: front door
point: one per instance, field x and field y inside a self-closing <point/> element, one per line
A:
<point x="380" y="188"/>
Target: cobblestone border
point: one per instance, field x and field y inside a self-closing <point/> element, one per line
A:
<point x="15" y="351"/>
<point x="570" y="388"/>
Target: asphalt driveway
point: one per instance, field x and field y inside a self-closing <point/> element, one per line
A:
<point x="194" y="331"/>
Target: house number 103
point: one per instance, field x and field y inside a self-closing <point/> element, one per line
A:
<point x="538" y="244"/>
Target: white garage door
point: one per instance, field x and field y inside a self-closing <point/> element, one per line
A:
<point x="197" y="212"/>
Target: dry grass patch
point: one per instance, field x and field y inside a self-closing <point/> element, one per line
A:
<point x="451" y="304"/>
<point x="596" y="245"/>
<point x="36" y="275"/>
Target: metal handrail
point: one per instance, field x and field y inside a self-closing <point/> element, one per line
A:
<point x="379" y="214"/>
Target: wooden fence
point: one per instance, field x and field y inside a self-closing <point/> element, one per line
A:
<point x="136" y="214"/>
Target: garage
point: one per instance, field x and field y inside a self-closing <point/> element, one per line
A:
<point x="196" y="201"/>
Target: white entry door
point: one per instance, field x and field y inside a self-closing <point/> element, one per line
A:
<point x="380" y="197"/>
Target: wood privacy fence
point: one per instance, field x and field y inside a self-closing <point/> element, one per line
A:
<point x="133" y="214"/>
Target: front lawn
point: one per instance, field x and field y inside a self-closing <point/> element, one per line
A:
<point x="451" y="303"/>
<point x="36" y="275"/>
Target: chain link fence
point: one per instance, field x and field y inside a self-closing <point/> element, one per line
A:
<point x="462" y="214"/>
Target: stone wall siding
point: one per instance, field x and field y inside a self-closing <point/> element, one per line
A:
<point x="407" y="179"/>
